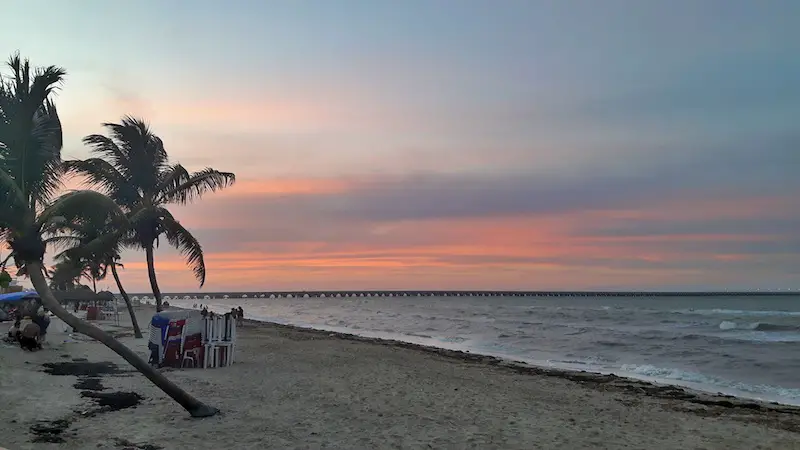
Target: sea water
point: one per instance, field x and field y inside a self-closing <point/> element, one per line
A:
<point x="743" y="346"/>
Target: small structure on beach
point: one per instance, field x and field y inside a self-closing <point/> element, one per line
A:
<point x="26" y="302"/>
<point x="97" y="305"/>
<point x="187" y="338"/>
<point x="83" y="297"/>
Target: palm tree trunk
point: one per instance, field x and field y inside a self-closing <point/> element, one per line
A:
<point x="137" y="333"/>
<point x="195" y="407"/>
<point x="94" y="285"/>
<point x="151" y="272"/>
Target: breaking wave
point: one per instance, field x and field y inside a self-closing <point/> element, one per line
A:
<point x="757" y="326"/>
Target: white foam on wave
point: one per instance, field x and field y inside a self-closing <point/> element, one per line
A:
<point x="760" y="332"/>
<point x="711" y="384"/>
<point x="737" y="312"/>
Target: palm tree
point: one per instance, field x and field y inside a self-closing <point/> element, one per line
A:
<point x="132" y="167"/>
<point x="30" y="174"/>
<point x="64" y="275"/>
<point x="96" y="244"/>
<point x="113" y="264"/>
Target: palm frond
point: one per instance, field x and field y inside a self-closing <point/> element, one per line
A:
<point x="13" y="204"/>
<point x="180" y="238"/>
<point x="13" y="194"/>
<point x="109" y="150"/>
<point x="180" y="186"/>
<point x="135" y="152"/>
<point x="30" y="130"/>
<point x="81" y="204"/>
<point x="99" y="173"/>
<point x="63" y="242"/>
<point x="103" y="247"/>
<point x="45" y="152"/>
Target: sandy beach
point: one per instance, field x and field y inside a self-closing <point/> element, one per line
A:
<point x="302" y="389"/>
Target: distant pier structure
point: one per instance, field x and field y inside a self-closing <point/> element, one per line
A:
<point x="370" y="294"/>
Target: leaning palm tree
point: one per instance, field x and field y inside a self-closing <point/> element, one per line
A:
<point x="132" y="167"/>
<point x="95" y="243"/>
<point x="30" y="174"/>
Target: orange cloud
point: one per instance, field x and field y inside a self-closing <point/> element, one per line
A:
<point x="483" y="251"/>
<point x="248" y="251"/>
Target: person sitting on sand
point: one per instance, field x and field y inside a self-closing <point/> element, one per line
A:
<point x="29" y="338"/>
<point x="43" y="321"/>
<point x="14" y="331"/>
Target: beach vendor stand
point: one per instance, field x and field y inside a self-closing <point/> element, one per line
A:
<point x="186" y="338"/>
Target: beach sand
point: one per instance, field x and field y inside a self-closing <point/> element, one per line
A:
<point x="299" y="389"/>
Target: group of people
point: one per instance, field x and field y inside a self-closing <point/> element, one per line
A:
<point x="236" y="313"/>
<point x="29" y="332"/>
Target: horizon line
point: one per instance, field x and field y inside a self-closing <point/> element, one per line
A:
<point x="494" y="292"/>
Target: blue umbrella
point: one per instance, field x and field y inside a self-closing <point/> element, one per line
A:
<point x="16" y="296"/>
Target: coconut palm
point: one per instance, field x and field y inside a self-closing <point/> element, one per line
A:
<point x="64" y="275"/>
<point x="30" y="174"/>
<point x="95" y="243"/>
<point x="132" y="167"/>
<point x="113" y="264"/>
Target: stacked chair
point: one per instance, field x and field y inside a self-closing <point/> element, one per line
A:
<point x="219" y="340"/>
<point x="185" y="338"/>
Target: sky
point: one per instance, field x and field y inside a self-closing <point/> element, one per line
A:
<point x="452" y="144"/>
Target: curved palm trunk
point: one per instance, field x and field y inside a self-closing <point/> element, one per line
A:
<point x="137" y="333"/>
<point x="195" y="407"/>
<point x="151" y="272"/>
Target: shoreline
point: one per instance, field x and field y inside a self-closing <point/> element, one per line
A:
<point x="595" y="380"/>
<point x="665" y="388"/>
<point x="293" y="387"/>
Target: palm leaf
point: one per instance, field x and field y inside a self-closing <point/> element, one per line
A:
<point x="45" y="153"/>
<point x="13" y="194"/>
<point x="180" y="186"/>
<point x="31" y="130"/>
<point x="180" y="238"/>
<point x="107" y="148"/>
<point x="99" y="173"/>
<point x="79" y="204"/>
<point x="63" y="241"/>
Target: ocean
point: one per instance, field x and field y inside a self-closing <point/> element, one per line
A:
<point x="742" y="346"/>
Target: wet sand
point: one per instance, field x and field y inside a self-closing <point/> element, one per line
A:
<point x="294" y="388"/>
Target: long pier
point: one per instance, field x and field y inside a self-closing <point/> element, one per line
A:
<point x="379" y="293"/>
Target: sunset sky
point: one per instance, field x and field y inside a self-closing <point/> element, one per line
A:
<point x="453" y="144"/>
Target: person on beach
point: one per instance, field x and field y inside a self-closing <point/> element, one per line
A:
<point x="240" y="317"/>
<point x="43" y="321"/>
<point x="29" y="337"/>
<point x="14" y="331"/>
